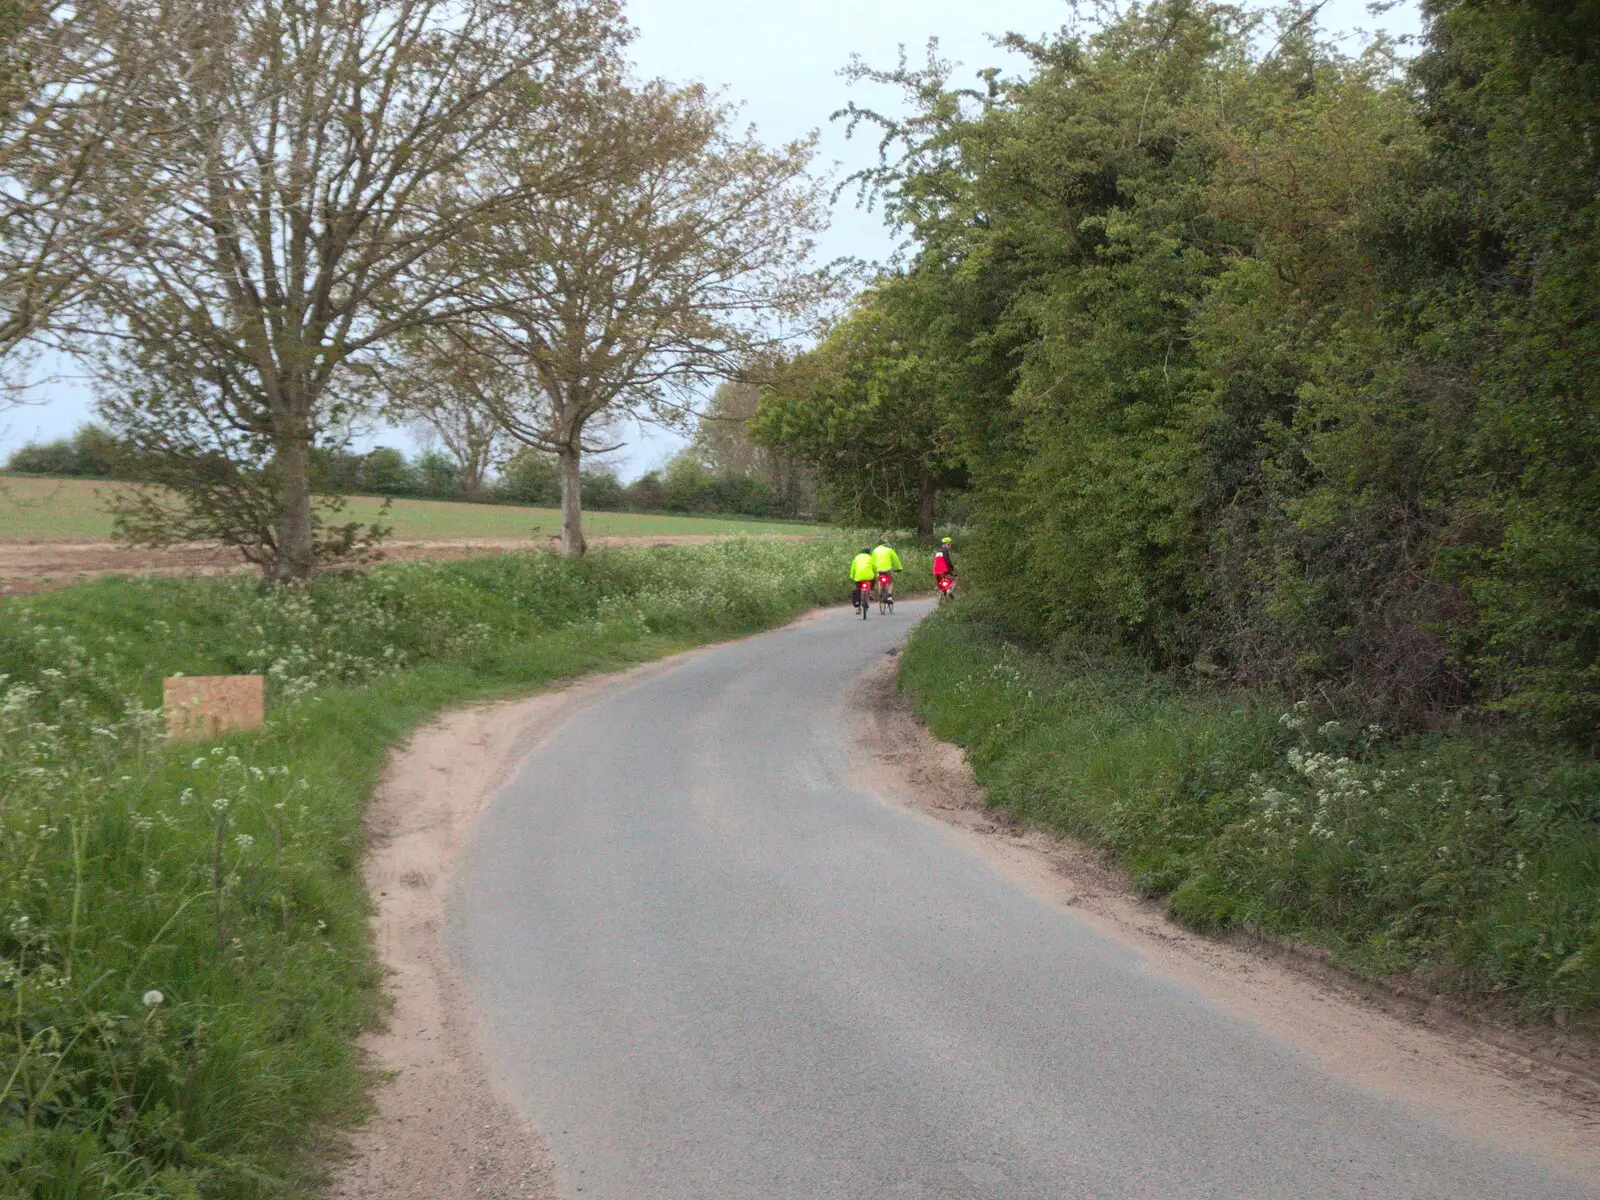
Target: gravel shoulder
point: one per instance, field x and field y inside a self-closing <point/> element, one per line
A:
<point x="442" y="1128"/>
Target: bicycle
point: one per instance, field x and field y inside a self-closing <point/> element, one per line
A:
<point x="947" y="585"/>
<point x="864" y="597"/>
<point x="885" y="596"/>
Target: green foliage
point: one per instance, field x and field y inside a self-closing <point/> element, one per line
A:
<point x="91" y="452"/>
<point x="1464" y="862"/>
<point x="529" y="478"/>
<point x="1260" y="357"/>
<point x="764" y="475"/>
<point x="689" y="486"/>
<point x="866" y="412"/>
<point x="224" y="875"/>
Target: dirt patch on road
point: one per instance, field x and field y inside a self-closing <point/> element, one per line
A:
<point x="43" y="565"/>
<point x="1518" y="1092"/>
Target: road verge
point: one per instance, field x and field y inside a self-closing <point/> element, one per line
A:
<point x="188" y="960"/>
<point x="1511" y="1090"/>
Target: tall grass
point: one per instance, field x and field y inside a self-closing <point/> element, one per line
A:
<point x="184" y="957"/>
<point x="1468" y="863"/>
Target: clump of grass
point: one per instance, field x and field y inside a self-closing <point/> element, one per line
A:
<point x="1470" y="862"/>
<point x="184" y="958"/>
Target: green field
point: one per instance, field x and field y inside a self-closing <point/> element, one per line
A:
<point x="32" y="508"/>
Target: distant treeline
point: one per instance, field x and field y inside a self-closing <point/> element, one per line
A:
<point x="684" y="485"/>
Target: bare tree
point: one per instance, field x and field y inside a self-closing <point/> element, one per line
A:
<point x="723" y="442"/>
<point x="64" y="70"/>
<point x="617" y="301"/>
<point x="316" y="161"/>
<point x="447" y="393"/>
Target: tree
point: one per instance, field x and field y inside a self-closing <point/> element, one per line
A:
<point x="64" y="71"/>
<point x="723" y="442"/>
<point x="616" y="301"/>
<point x="448" y="395"/>
<point x="316" y="160"/>
<point x="870" y="415"/>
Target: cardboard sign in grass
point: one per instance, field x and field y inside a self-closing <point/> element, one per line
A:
<point x="203" y="706"/>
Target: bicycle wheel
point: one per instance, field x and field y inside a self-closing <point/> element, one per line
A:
<point x="866" y="605"/>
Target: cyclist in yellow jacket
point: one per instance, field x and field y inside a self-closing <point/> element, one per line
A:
<point x="862" y="571"/>
<point x="886" y="562"/>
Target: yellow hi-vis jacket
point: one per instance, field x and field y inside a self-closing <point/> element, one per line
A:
<point x="862" y="568"/>
<point x="885" y="559"/>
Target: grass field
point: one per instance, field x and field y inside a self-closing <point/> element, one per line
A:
<point x="34" y="508"/>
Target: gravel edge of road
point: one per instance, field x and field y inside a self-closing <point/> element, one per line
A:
<point x="441" y="1126"/>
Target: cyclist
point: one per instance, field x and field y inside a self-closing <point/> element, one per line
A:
<point x="886" y="562"/>
<point x="861" y="571"/>
<point x="943" y="562"/>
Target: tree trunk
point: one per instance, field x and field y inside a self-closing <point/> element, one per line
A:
<point x="925" y="510"/>
<point x="568" y="463"/>
<point x="296" y="557"/>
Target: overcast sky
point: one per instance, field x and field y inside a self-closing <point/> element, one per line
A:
<point x="780" y="60"/>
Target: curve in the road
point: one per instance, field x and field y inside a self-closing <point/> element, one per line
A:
<point x="710" y="964"/>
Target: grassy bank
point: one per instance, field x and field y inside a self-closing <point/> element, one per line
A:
<point x="1465" y="863"/>
<point x="185" y="957"/>
<point x="34" y="507"/>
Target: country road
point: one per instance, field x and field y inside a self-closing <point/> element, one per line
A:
<point x="710" y="962"/>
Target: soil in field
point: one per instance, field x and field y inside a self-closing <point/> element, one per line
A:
<point x="33" y="508"/>
<point x="40" y="566"/>
<point x="56" y="532"/>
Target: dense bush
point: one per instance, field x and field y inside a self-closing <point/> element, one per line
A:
<point x="184" y="957"/>
<point x="687" y="486"/>
<point x="1469" y="864"/>
<point x="1262" y="358"/>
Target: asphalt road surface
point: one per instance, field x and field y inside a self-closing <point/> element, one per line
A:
<point x="710" y="964"/>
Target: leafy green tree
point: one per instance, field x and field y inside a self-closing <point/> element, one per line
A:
<point x="529" y="478"/>
<point x="438" y="475"/>
<point x="868" y="413"/>
<point x="1261" y="357"/>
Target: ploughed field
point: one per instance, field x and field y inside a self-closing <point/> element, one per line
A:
<point x="57" y="531"/>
